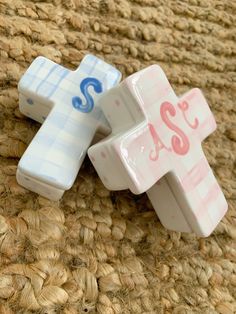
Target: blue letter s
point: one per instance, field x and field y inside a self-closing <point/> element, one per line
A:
<point x="77" y="102"/>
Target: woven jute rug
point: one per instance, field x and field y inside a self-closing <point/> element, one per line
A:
<point x="97" y="251"/>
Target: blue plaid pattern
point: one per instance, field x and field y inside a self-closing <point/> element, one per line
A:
<point x="46" y="90"/>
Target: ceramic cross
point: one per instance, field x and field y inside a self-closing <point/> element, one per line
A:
<point x="155" y="147"/>
<point x="66" y="100"/>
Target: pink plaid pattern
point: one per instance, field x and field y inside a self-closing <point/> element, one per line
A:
<point x="155" y="133"/>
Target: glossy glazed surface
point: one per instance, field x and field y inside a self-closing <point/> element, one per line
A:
<point x="155" y="133"/>
<point x="66" y="100"/>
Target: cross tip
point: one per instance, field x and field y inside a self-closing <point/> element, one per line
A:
<point x="39" y="59"/>
<point x="89" y="57"/>
<point x="152" y="73"/>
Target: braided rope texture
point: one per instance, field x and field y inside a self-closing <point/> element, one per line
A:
<point x="97" y="251"/>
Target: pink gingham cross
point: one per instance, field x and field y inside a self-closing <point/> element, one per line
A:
<point x="155" y="147"/>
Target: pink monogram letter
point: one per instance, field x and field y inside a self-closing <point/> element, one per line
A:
<point x="181" y="147"/>
<point x="157" y="141"/>
<point x="183" y="106"/>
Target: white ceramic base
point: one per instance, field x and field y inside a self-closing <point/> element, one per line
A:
<point x="174" y="210"/>
<point x="34" y="185"/>
<point x="167" y="207"/>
